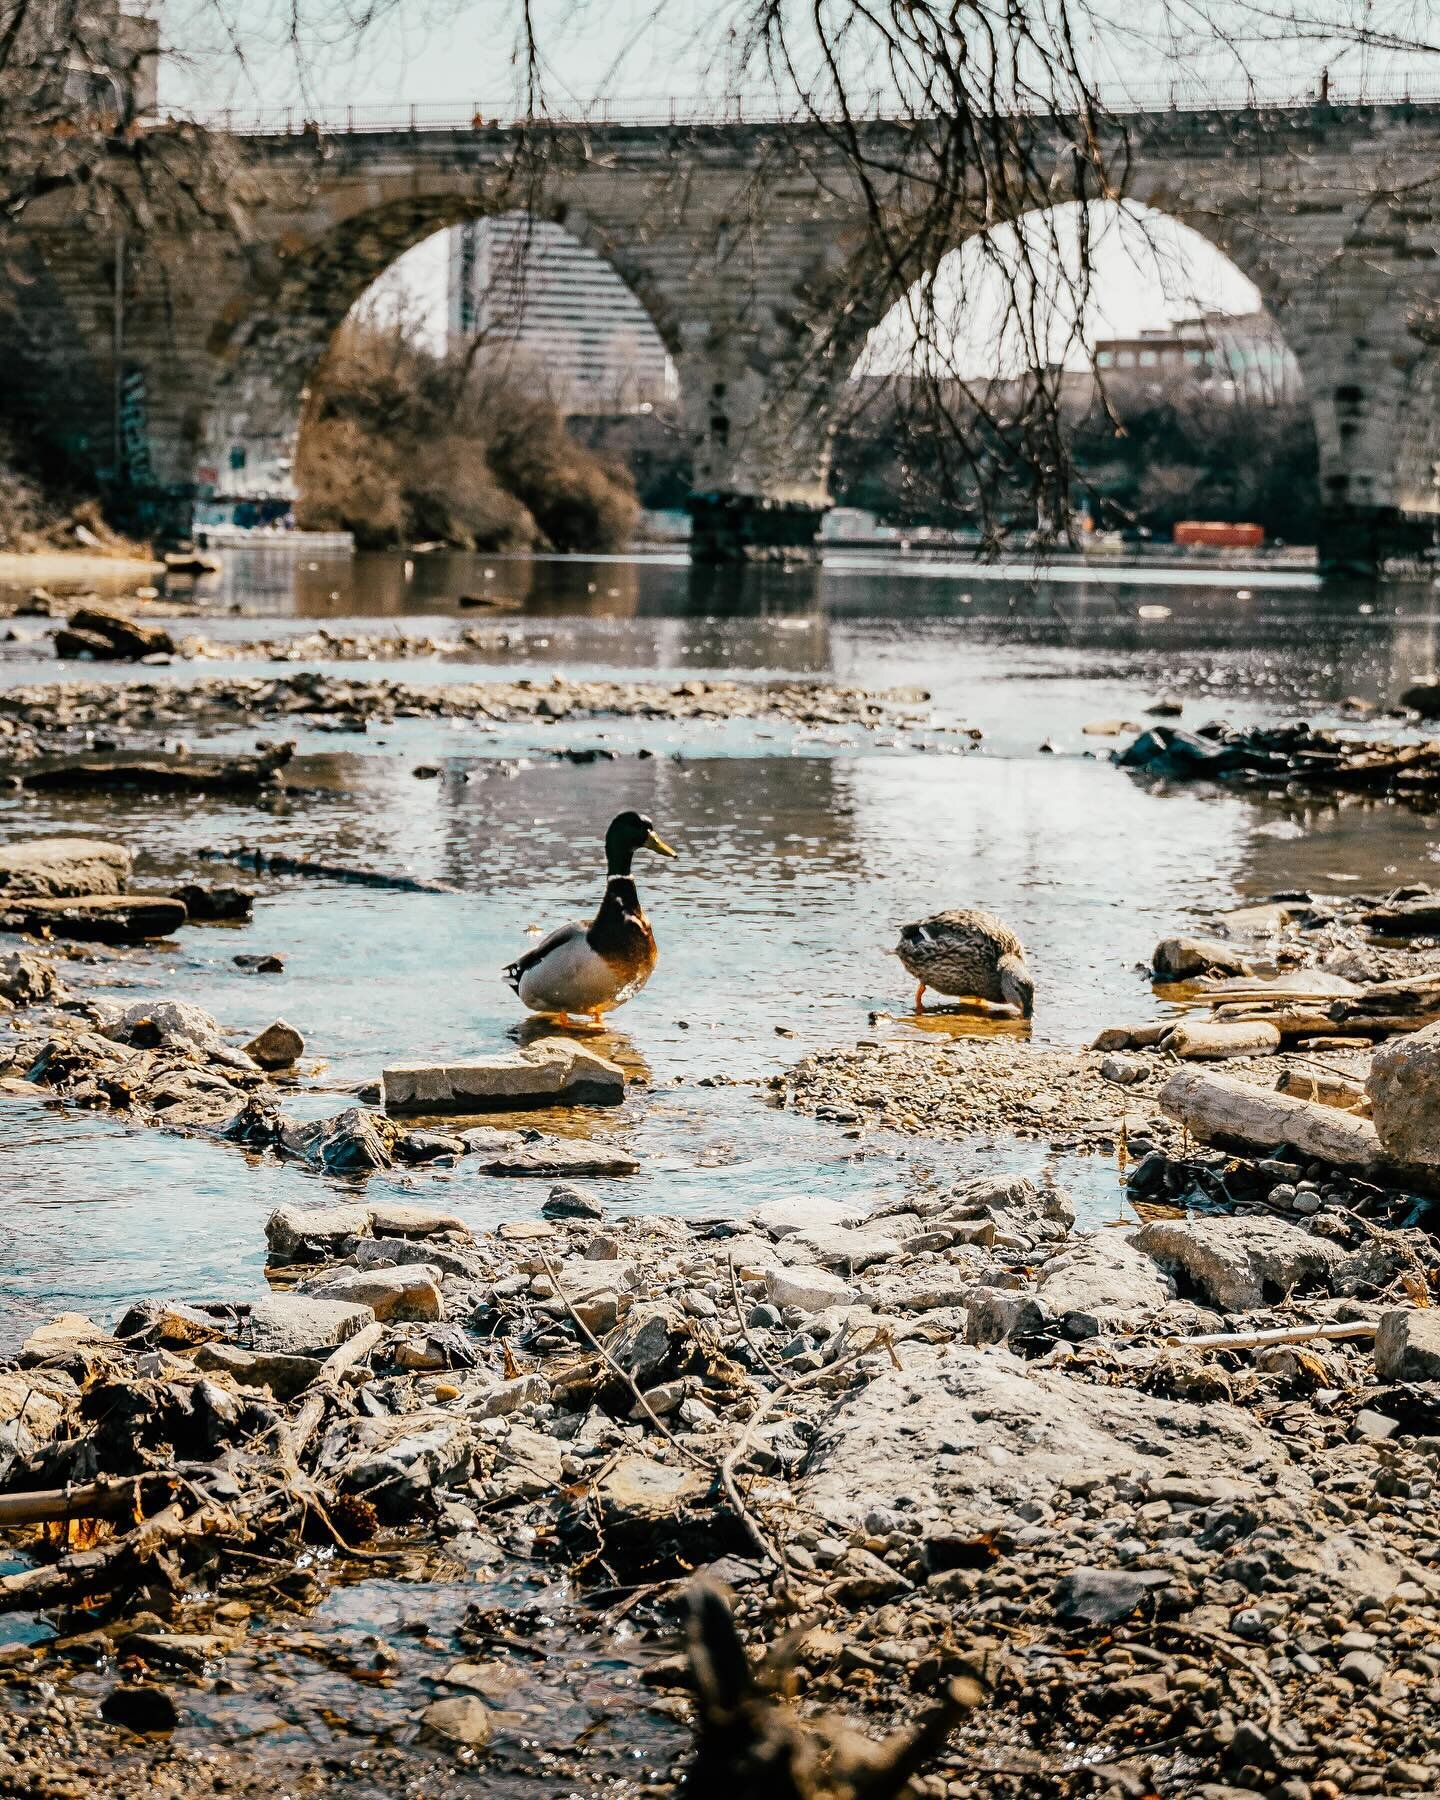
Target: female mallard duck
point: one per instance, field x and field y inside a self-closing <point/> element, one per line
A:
<point x="590" y="968"/>
<point x="969" y="954"/>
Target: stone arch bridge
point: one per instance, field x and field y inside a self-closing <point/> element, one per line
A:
<point x="145" y="357"/>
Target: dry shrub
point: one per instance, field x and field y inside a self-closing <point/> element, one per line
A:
<point x="401" y="444"/>
<point x="348" y="481"/>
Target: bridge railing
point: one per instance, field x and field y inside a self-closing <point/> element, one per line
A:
<point x="1188" y="95"/>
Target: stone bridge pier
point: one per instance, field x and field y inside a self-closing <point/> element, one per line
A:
<point x="153" y="363"/>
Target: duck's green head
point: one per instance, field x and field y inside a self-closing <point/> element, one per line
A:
<point x="629" y="832"/>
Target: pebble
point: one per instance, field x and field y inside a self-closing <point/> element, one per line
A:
<point x="1363" y="1668"/>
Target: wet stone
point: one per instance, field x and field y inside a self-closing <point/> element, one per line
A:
<point x="62" y="868"/>
<point x="461" y="1722"/>
<point x="552" y="1072"/>
<point x="566" y="1201"/>
<point x="278" y="1046"/>
<point x="810" y="1289"/>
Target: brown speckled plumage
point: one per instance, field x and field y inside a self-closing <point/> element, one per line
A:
<point x="969" y="954"/>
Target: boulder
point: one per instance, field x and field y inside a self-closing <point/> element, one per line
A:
<point x="26" y="980"/>
<point x="406" y="1219"/>
<point x="172" y="1025"/>
<point x="838" y="1248"/>
<point x="69" y="1334"/>
<point x="96" y="918"/>
<point x="645" y="1342"/>
<point x="581" y="1277"/>
<point x="566" y="1201"/>
<point x="509" y="1396"/>
<point x="968" y="1432"/>
<point x="399" y="1293"/>
<point x="397" y="1460"/>
<point x="1404" y="1090"/>
<point x="285" y="1376"/>
<point x="461" y="1722"/>
<point x="637" y="1489"/>
<point x="214" y="906"/>
<point x="314" y="1234"/>
<point x="1236" y="1264"/>
<point x="301" y="1325"/>
<point x="809" y="1288"/>
<point x="429" y="1147"/>
<point x="1407" y="1345"/>
<point x="352" y="1143"/>
<point x="554" y="1157"/>
<point x="1014" y="1205"/>
<point x="992" y="1315"/>
<point x="553" y="1072"/>
<point x="278" y="1046"/>
<point x="527" y="1467"/>
<point x="62" y="868"/>
<point x="1183" y="958"/>
<point x="127" y="638"/>
<point x="804" y="1212"/>
<point x="1101" y="1282"/>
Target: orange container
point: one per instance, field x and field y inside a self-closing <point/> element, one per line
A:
<point x="1216" y="534"/>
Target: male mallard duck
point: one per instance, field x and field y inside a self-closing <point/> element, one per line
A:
<point x="970" y="954"/>
<point x="590" y="968"/>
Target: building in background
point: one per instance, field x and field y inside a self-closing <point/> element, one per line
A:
<point x="1241" y="353"/>
<point x="541" y="301"/>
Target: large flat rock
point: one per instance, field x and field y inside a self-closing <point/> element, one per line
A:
<point x="97" y="919"/>
<point x="299" y="1325"/>
<point x="567" y="1158"/>
<point x="62" y="868"/>
<point x="971" y="1433"/>
<point x="554" y="1072"/>
<point x="1237" y="1263"/>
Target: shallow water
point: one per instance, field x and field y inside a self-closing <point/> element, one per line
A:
<point x="802" y="850"/>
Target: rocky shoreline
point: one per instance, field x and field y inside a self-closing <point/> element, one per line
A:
<point x="1158" y="1496"/>
<point x="951" y="1438"/>
<point x="51" y="715"/>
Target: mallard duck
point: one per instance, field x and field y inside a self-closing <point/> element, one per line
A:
<point x="582" y="968"/>
<point x="969" y="954"/>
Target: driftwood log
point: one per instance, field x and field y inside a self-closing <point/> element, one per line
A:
<point x="1238" y="1115"/>
<point x="1378" y="1011"/>
<point x="276" y="862"/>
<point x="160" y="773"/>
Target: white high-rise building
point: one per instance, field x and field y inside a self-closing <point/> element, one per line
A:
<point x="541" y="300"/>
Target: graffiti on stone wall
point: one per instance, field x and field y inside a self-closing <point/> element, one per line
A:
<point x="135" y="465"/>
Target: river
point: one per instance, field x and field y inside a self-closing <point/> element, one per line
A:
<point x="802" y="849"/>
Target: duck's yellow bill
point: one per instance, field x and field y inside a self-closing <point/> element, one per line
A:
<point x="659" y="845"/>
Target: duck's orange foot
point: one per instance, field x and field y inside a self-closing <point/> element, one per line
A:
<point x="920" y="998"/>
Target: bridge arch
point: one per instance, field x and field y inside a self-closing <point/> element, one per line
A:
<point x="1015" y="297"/>
<point x="270" y="334"/>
